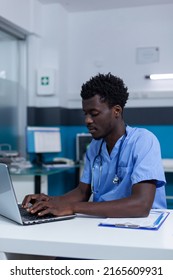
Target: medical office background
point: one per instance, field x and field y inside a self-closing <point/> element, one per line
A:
<point x="38" y="36"/>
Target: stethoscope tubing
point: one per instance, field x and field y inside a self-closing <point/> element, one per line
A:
<point x="116" y="178"/>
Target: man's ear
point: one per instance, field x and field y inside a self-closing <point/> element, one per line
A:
<point x="117" y="111"/>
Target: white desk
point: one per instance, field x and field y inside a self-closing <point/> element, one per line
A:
<point x="83" y="238"/>
<point x="168" y="164"/>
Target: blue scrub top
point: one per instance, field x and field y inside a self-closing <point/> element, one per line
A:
<point x="139" y="160"/>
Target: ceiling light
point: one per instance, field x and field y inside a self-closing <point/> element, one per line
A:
<point x="160" y="76"/>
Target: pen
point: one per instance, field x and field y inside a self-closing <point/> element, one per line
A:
<point x="127" y="225"/>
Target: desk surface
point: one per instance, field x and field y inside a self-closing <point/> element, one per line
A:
<point x="81" y="237"/>
<point x="167" y="164"/>
<point x="40" y="171"/>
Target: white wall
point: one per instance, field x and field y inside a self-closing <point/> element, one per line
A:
<point x="79" y="45"/>
<point x="107" y="41"/>
<point x="22" y="13"/>
<point x="49" y="50"/>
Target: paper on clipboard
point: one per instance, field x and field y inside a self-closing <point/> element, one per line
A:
<point x="152" y="222"/>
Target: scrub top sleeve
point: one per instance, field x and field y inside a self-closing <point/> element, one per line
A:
<point x="87" y="172"/>
<point x="91" y="153"/>
<point x="147" y="160"/>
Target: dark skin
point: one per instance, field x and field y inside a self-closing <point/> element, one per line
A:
<point x="107" y="123"/>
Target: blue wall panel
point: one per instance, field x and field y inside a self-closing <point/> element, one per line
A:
<point x="63" y="182"/>
<point x="164" y="133"/>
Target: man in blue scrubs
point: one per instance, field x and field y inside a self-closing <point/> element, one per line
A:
<point x="123" y="174"/>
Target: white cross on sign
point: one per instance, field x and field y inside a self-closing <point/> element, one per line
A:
<point x="44" y="81"/>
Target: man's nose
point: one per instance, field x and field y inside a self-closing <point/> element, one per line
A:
<point x="88" y="119"/>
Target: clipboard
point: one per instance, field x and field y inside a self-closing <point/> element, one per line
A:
<point x="152" y="222"/>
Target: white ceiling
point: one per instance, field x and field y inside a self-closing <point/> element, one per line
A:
<point x="89" y="5"/>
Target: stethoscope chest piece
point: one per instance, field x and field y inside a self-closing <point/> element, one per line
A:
<point x="115" y="180"/>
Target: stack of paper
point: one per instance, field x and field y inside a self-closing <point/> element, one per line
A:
<point x="153" y="221"/>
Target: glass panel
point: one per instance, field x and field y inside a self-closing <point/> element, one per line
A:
<point x="12" y="94"/>
<point x="9" y="57"/>
<point x="8" y="114"/>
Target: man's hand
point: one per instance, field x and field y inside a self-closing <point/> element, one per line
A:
<point x="43" y="204"/>
<point x="33" y="198"/>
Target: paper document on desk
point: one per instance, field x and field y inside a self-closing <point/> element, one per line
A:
<point x="56" y="165"/>
<point x="152" y="222"/>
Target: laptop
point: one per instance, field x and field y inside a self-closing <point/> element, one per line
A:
<point x="10" y="208"/>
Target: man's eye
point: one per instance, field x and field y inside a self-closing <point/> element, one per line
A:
<point x="94" y="114"/>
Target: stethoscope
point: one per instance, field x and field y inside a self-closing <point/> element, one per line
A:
<point x="97" y="163"/>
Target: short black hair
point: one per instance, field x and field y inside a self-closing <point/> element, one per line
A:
<point x="110" y="88"/>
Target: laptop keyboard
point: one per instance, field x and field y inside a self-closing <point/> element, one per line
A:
<point x="31" y="217"/>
